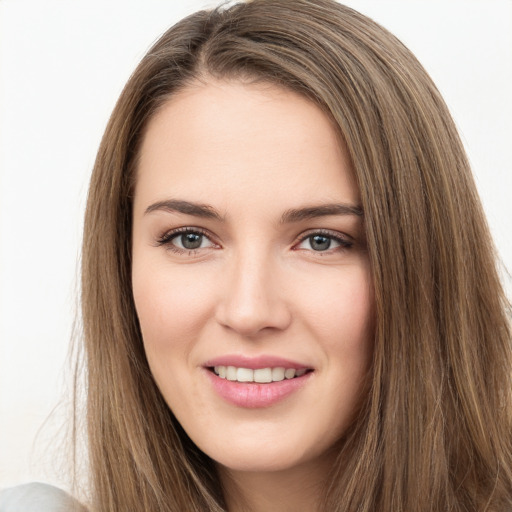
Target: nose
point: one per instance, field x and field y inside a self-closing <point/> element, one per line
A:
<point x="252" y="301"/>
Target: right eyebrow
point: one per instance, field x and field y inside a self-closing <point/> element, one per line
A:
<point x="196" y="209"/>
<point x="321" y="210"/>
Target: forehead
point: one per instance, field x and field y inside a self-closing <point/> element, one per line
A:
<point x="229" y="140"/>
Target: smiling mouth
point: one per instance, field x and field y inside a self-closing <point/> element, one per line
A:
<point x="260" y="375"/>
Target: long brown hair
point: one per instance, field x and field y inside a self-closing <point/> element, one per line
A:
<point x="434" y="432"/>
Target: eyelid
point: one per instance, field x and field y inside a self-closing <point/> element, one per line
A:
<point x="169" y="235"/>
<point x="345" y="240"/>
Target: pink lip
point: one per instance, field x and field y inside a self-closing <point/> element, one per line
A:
<point x="252" y="395"/>
<point x="253" y="363"/>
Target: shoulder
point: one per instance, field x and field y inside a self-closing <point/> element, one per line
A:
<point x="38" y="497"/>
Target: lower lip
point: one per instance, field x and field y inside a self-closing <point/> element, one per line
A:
<point x="252" y="395"/>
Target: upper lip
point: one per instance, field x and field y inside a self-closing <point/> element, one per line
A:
<point x="253" y="363"/>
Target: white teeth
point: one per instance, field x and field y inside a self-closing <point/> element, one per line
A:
<point x="244" y="375"/>
<point x="261" y="375"/>
<point x="289" y="373"/>
<point x="231" y="373"/>
<point x="277" y="374"/>
<point x="220" y="371"/>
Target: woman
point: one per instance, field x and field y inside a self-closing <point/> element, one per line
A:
<point x="289" y="291"/>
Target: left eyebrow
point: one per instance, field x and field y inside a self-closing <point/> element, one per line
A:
<point x="188" y="208"/>
<point x="323" y="210"/>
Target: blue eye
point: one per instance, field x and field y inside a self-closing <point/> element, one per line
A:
<point x="185" y="239"/>
<point x="189" y="240"/>
<point x="321" y="242"/>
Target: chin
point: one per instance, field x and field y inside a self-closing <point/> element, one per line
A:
<point x="260" y="457"/>
<point x="267" y="464"/>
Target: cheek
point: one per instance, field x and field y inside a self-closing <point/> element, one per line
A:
<point x="171" y="306"/>
<point x="341" y="317"/>
<point x="171" y="312"/>
<point x="341" y="310"/>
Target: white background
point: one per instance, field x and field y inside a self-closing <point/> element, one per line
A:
<point x="62" y="66"/>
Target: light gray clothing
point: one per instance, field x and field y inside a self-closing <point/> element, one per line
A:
<point x="37" y="497"/>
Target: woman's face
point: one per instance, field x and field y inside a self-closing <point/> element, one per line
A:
<point x="250" y="275"/>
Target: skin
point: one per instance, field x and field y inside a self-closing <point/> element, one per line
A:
<point x="255" y="285"/>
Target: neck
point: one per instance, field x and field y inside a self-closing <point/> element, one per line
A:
<point x="297" y="488"/>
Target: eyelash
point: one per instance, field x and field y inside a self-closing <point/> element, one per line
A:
<point x="343" y="241"/>
<point x="167" y="238"/>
